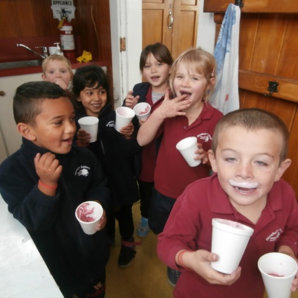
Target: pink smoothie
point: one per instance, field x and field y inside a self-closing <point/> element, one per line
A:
<point x="84" y="213"/>
<point x="275" y="274"/>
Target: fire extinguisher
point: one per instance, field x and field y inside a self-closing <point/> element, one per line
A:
<point x="67" y="40"/>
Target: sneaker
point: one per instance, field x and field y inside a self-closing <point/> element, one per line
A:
<point x="143" y="228"/>
<point x="173" y="276"/>
<point x="127" y="253"/>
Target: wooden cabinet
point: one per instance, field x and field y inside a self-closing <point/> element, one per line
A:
<point x="268" y="63"/>
<point x="172" y="22"/>
<point x="31" y="22"/>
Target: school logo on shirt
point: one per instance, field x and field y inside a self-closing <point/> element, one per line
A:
<point x="274" y="235"/>
<point x="204" y="136"/>
<point x="82" y="171"/>
<point x="111" y="124"/>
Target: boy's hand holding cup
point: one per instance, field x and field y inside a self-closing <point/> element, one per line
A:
<point x="83" y="138"/>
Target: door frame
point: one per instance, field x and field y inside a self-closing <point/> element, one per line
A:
<point x="126" y="21"/>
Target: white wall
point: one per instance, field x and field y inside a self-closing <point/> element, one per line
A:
<point x="126" y="21"/>
<point x="206" y="30"/>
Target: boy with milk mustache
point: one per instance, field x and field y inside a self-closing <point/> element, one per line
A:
<point x="248" y="158"/>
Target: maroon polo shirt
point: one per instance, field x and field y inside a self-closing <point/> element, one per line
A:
<point x="172" y="173"/>
<point x="189" y="227"/>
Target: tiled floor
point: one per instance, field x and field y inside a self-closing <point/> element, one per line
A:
<point x="145" y="277"/>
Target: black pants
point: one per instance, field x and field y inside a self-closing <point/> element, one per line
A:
<point x="159" y="211"/>
<point x="125" y="221"/>
<point x="146" y="189"/>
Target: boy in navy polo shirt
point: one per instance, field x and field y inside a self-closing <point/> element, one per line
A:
<point x="248" y="157"/>
<point x="46" y="179"/>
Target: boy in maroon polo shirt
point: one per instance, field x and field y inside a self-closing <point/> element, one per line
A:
<point x="248" y="155"/>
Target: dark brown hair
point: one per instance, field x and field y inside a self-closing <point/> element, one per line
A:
<point x="29" y="96"/>
<point x="159" y="51"/>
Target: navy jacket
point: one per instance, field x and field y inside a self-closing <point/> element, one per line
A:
<point x="74" y="258"/>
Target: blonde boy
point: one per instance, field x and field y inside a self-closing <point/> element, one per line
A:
<point x="248" y="156"/>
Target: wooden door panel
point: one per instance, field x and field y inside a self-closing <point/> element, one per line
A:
<point x="288" y="62"/>
<point x="291" y="173"/>
<point x="153" y="1"/>
<point x="259" y="82"/>
<point x="152" y="22"/>
<point x="268" y="43"/>
<point x="268" y="51"/>
<point x="186" y="37"/>
<point x="156" y="20"/>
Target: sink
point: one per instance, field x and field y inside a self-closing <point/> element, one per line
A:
<point x="19" y="64"/>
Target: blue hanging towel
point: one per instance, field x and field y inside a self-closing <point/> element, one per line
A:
<point x="226" y="94"/>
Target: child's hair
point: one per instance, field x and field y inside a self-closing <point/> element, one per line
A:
<point x="29" y="96"/>
<point x="199" y="61"/>
<point x="90" y="76"/>
<point x="253" y="119"/>
<point x="159" y="51"/>
<point x="56" y="58"/>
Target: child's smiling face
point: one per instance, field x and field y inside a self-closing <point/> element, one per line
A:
<point x="58" y="72"/>
<point x="248" y="163"/>
<point x="54" y="127"/>
<point x="93" y="99"/>
<point x="156" y="73"/>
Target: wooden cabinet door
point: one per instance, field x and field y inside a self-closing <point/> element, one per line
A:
<point x="172" y="22"/>
<point x="269" y="59"/>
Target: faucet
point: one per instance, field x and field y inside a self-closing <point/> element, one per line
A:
<point x="44" y="50"/>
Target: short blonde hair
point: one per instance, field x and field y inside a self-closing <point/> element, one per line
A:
<point x="56" y="58"/>
<point x="201" y="62"/>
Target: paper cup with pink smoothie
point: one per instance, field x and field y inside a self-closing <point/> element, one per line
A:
<point x="123" y="116"/>
<point x="278" y="271"/>
<point x="229" y="241"/>
<point x="88" y="215"/>
<point x="142" y="110"/>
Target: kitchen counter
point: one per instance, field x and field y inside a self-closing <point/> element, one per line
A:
<point x="37" y="69"/>
<point x="23" y="271"/>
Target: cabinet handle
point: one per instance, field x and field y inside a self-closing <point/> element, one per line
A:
<point x="2" y="93"/>
<point x="170" y="19"/>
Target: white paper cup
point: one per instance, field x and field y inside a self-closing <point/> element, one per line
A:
<point x="278" y="271"/>
<point x="229" y="241"/>
<point x="187" y="147"/>
<point x="142" y="110"/>
<point x="123" y="116"/>
<point x="88" y="215"/>
<point x="90" y="124"/>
